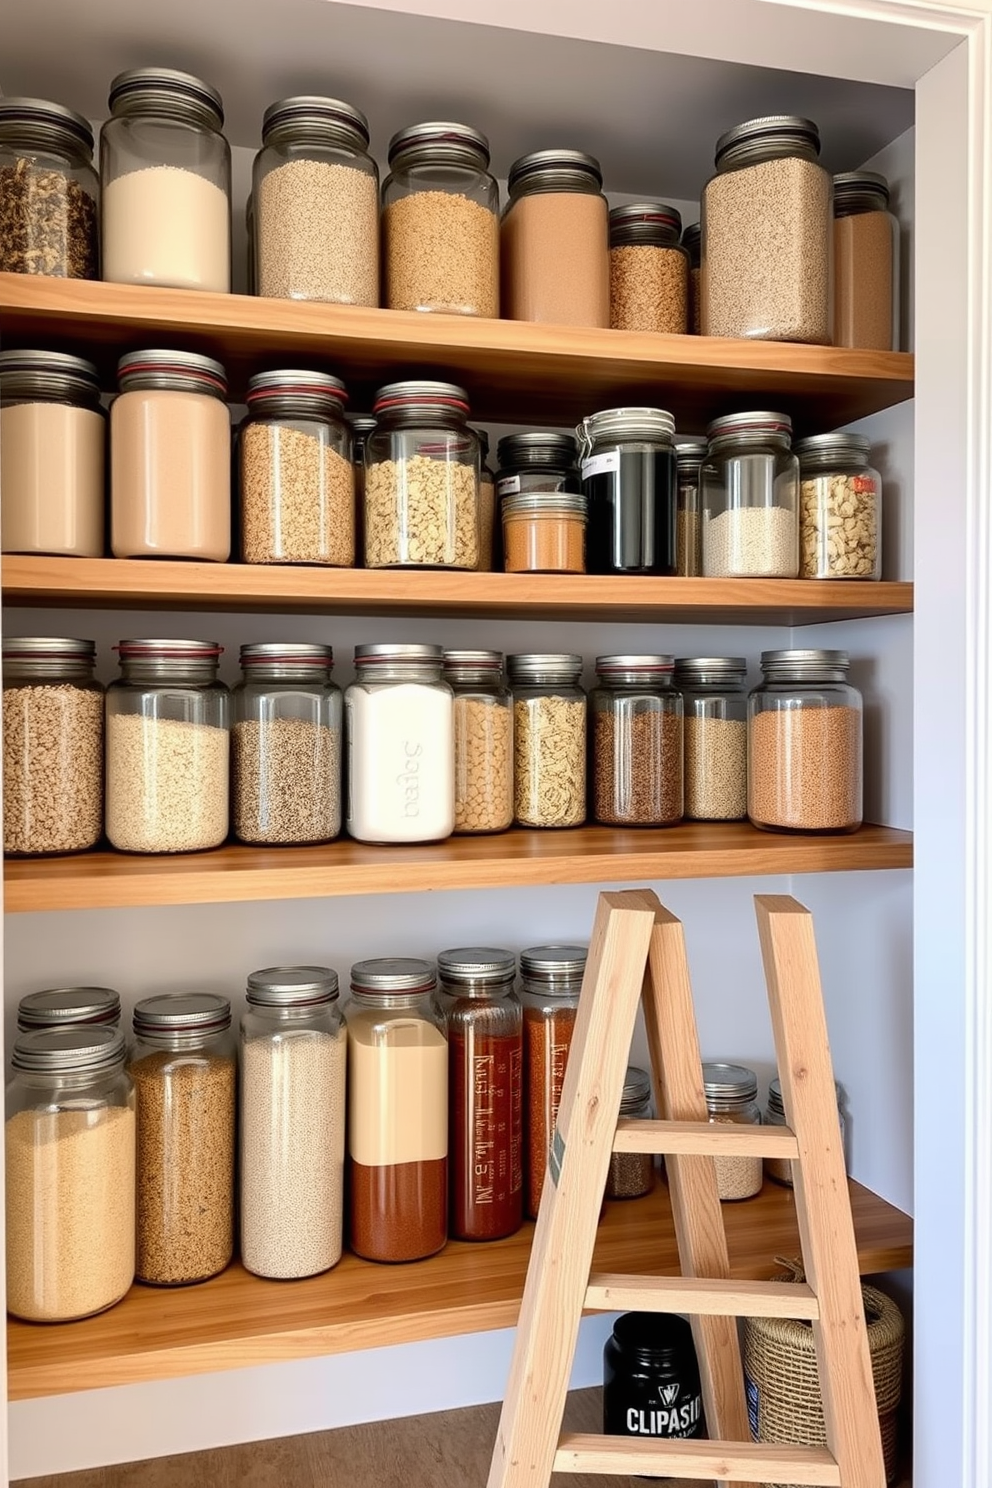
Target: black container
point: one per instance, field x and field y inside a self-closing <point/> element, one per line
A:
<point x="629" y="480"/>
<point x="651" y="1379"/>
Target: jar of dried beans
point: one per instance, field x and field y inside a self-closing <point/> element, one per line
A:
<point x="649" y="269"/>
<point x="731" y="1096"/>
<point x="750" y="498"/>
<point x="866" y="263"/>
<point x="532" y="463"/>
<point x="549" y="740"/>
<point x="840" y="508"/>
<point x="554" y="243"/>
<point x="714" y="731"/>
<point x="631" y="1174"/>
<point x="804" y="767"/>
<point x="690" y="452"/>
<point x="636" y="742"/>
<point x="780" y="1168"/>
<point x="48" y="191"/>
<point x="550" y="982"/>
<point x="483" y="741"/>
<point x="628" y="478"/>
<point x="397" y="1112"/>
<point x="485" y="1086"/>
<point x="544" y="532"/>
<point x="58" y="1007"/>
<point x="692" y="243"/>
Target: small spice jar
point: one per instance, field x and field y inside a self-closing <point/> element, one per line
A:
<point x="544" y="532"/>
<point x="484" y="1024"/>
<point x="60" y="1007"/>
<point x="780" y="1168"/>
<point x="165" y="167"/>
<point x="840" y="508"/>
<point x="690" y="452"/>
<point x="440" y="222"/>
<point x="649" y="269"/>
<point x="293" y="1062"/>
<point x="554" y="241"/>
<point x="636" y="742"/>
<point x="804" y="764"/>
<point x="397" y="1111"/>
<point x="170" y="458"/>
<point x="317" y="215"/>
<point x="731" y="1096"/>
<point x="48" y="191"/>
<point x="628" y="478"/>
<point x="549" y="740"/>
<point x="70" y="1162"/>
<point x="286" y="745"/>
<point x="422" y="479"/>
<point x="631" y="1174"/>
<point x="167" y="748"/>
<point x="866" y="263"/>
<point x="651" y="1378"/>
<point x="483" y="712"/>
<point x="550" y="982"/>
<point x="534" y="462"/>
<point x="487" y="506"/>
<point x="184" y="1066"/>
<point x="692" y="243"/>
<point x="714" y="732"/>
<point x="297" y="476"/>
<point x="750" y="498"/>
<point x="52" y="746"/>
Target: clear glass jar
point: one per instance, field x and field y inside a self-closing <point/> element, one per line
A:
<point x="866" y="263"/>
<point x="554" y="241"/>
<point x="297" y="476"/>
<point x="651" y="1382"/>
<point x="167" y="748"/>
<point x="317" y="193"/>
<point x="767" y="221"/>
<point x="422" y="479"/>
<point x="731" y="1096"/>
<point x="550" y="983"/>
<point x="531" y="463"/>
<point x="440" y="222"/>
<point x="779" y="1169"/>
<point x="649" y="269"/>
<point x="165" y="167"/>
<point x="52" y="443"/>
<point x="804" y="746"/>
<point x="628" y="478"/>
<point x="636" y="746"/>
<point x="251" y="272"/>
<point x="631" y="1174"/>
<point x="58" y="1007"/>
<point x="750" y="498"/>
<point x="840" y="508"/>
<point x="397" y="1111"/>
<point x="487" y="506"/>
<point x="286" y="745"/>
<point x="484" y="1024"/>
<point x="690" y="452"/>
<point x="544" y="532"/>
<point x="714" y="732"/>
<point x="52" y="746"/>
<point x="184" y="1065"/>
<point x="170" y="458"/>
<point x="692" y="243"/>
<point x="399" y="716"/>
<point x="483" y="713"/>
<point x="70" y="1161"/>
<point x="49" y="191"/>
<point x="549" y="740"/>
<point x="293" y="1062"/>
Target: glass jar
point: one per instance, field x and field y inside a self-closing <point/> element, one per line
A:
<point x="549" y="740"/>
<point x="690" y="452"/>
<point x="184" y="1066"/>
<point x="767" y="218"/>
<point x="550" y="982"/>
<point x="52" y="746"/>
<point x="750" y="498"/>
<point x="692" y="243"/>
<point x="286" y="745"/>
<point x="631" y="1174"/>
<point x="59" y="1007"/>
<point x="422" y="479"/>
<point x="401" y="754"/>
<point x="297" y="476"/>
<point x="251" y="273"/>
<point x="804" y="744"/>
<point x="534" y="462"/>
<point x="166" y="172"/>
<point x="731" y="1097"/>
<point x="866" y="263"/>
<point x="554" y="242"/>
<point x="484" y="1024"/>
<point x="170" y="458"/>
<point x="649" y="269"/>
<point x="70" y="1158"/>
<point x="628" y="478"/>
<point x="840" y="508"/>
<point x="397" y="1112"/>
<point x="780" y="1168"/>
<point x="440" y="222"/>
<point x="487" y="505"/>
<point x="48" y="191"/>
<point x="293" y="1061"/>
<point x="544" y="532"/>
<point x="651" y="1378"/>
<point x="167" y="748"/>
<point x="636" y="747"/>
<point x="483" y="713"/>
<point x="317" y="193"/>
<point x="714" y="732"/>
<point x="52" y="441"/>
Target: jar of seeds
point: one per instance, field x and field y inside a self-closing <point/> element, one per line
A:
<point x="636" y="742"/>
<point x="731" y="1096"/>
<point x="866" y="263"/>
<point x="649" y="269"/>
<point x="58" y="1007"/>
<point x="692" y="243"/>
<point x="49" y="191"/>
<point x="750" y="498"/>
<point x="483" y="741"/>
<point x="714" y="731"/>
<point x="690" y="452"/>
<point x="549" y="740"/>
<point x="840" y="508"/>
<point x="631" y="1174"/>
<point x="550" y="983"/>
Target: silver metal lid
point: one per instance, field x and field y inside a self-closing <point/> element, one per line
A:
<point x="634" y="663"/>
<point x="288" y="986"/>
<point x="389" y="651"/>
<point x="441" y="140"/>
<point x="473" y="660"/>
<point x="165" y="87"/>
<point x="68" y="1051"/>
<point x="182" y="371"/>
<point x="687" y="668"/>
<point x="287" y="653"/>
<point x="860" y="191"/>
<point x="654" y="424"/>
<point x="833" y="447"/>
<point x="553" y="962"/>
<point x="311" y="112"/>
<point x="763" y="423"/>
<point x="651" y="223"/>
<point x="537" y="664"/>
<point x="553" y="170"/>
<point x="295" y="383"/>
<point x="181" y="1012"/>
<point x="51" y="123"/>
<point x="519" y="503"/>
<point x="692" y="234"/>
<point x="810" y="661"/>
<point x="47" y="647"/>
<point x="61" y="1005"/>
<point x="385" y="974"/>
<point x="537" y="448"/>
<point x="421" y="393"/>
<point x="690" y="449"/>
<point x="361" y="424"/>
<point x="773" y="128"/>
<point x="636" y="1089"/>
<point x="181" y="650"/>
<point x="729" y="1082"/>
<point x="56" y="373"/>
<point x="489" y="964"/>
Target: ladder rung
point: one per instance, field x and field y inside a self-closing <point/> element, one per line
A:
<point x="704" y="1139"/>
<point x="702" y="1297"/>
<point x="730" y="1462"/>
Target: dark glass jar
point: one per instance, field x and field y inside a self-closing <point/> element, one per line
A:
<point x="651" y="1378"/>
<point x="48" y="191"/>
<point x="628" y="476"/>
<point x="550" y="983"/>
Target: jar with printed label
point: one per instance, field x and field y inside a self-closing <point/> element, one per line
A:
<point x="58" y="1007"/>
<point x="840" y="508"/>
<point x="631" y="1174"/>
<point x="649" y="269"/>
<point x="866" y="263"/>
<point x="692" y="243"/>
<point x="690" y="452"/>
<point x="550" y="982"/>
<point x="731" y="1097"/>
<point x="780" y="1168"/>
<point x="714" y="730"/>
<point x="549" y="740"/>
<point x="536" y="462"/>
<point x="628" y="478"/>
<point x="49" y="191"/>
<point x="651" y="1379"/>
<point x="750" y="498"/>
<point x="483" y="712"/>
<point x="554" y="241"/>
<point x="636" y="746"/>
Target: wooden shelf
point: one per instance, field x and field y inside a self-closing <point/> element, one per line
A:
<point x="237" y="1320"/>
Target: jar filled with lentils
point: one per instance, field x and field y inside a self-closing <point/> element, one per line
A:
<point x="549" y="740"/>
<point x="628" y="479"/>
<point x="714" y="730"/>
<point x="840" y="508"/>
<point x="649" y="269"/>
<point x="49" y="191"/>
<point x="631" y="1174"/>
<point x="550" y="982"/>
<point x="483" y="710"/>
<point x="690" y="452"/>
<point x="750" y="498"/>
<point x="554" y="242"/>
<point x="692" y="243"/>
<point x="58" y="1007"/>
<point x="731" y="1097"/>
<point x="636" y="742"/>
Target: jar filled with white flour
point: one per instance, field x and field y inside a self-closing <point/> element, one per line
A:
<point x="750" y="498"/>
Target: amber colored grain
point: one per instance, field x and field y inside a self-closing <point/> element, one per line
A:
<point x="649" y="289"/>
<point x="441" y="252"/>
<point x="804" y="769"/>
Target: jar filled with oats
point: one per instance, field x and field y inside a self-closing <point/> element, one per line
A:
<point x="840" y="508"/>
<point x="731" y="1096"/>
<point x="549" y="740"/>
<point x="483" y="741"/>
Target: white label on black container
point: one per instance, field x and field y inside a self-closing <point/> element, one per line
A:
<point x="608" y="463"/>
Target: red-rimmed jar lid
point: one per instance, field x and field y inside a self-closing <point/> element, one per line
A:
<point x="289" y="389"/>
<point x="182" y="650"/>
<point x="182" y="1012"/>
<point x="421" y="396"/>
<point x="57" y="1007"/>
<point x="292" y="986"/>
<point x="750" y="427"/>
<point x="650" y="224"/>
<point x="171" y="371"/>
<point x="441" y="142"/>
<point x="294" y="654"/>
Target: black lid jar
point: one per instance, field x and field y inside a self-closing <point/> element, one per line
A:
<point x="628" y="477"/>
<point x="651" y="1378"/>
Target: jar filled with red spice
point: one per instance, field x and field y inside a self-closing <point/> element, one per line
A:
<point x="550" y="981"/>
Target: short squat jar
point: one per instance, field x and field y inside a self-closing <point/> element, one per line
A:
<point x="167" y="748"/>
<point x="780" y="1168"/>
<point x="49" y="191"/>
<point x="549" y="740"/>
<point x="286" y="745"/>
<point x="636" y="746"/>
<point x="866" y="263"/>
<point x="840" y="508"/>
<point x="554" y="243"/>
<point x="550" y="983"/>
<point x="534" y="463"/>
<point x="293" y="1062"/>
<point x="631" y="1174"/>
<point x="731" y="1097"/>
<point x="714" y="730"/>
<point x="61" y="1007"/>
<point x="690" y="452"/>
<point x="544" y="532"/>
<point x="628" y="479"/>
<point x="649" y="269"/>
<point x="483" y="713"/>
<point x="750" y="498"/>
<point x="693" y="245"/>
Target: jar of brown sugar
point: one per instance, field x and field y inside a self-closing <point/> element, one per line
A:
<point x="649" y="269"/>
<point x="555" y="241"/>
<point x="731" y="1091"/>
<point x="544" y="532"/>
<point x="866" y="263"/>
<point x="483" y="709"/>
<point x="636" y="742"/>
<point x="549" y="740"/>
<point x="534" y="461"/>
<point x="551" y="979"/>
<point x="631" y="1174"/>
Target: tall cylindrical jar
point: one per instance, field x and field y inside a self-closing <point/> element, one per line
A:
<point x="397" y="1112"/>
<point x="58" y="1007"/>
<point x="649" y="269"/>
<point x="731" y="1097"/>
<point x="484" y="1024"/>
<point x="690" y="452"/>
<point x="550" y="982"/>
<point x="293" y="1063"/>
<point x="693" y="245"/>
<point x="750" y="498"/>
<point x="767" y="219"/>
<point x="866" y="263"/>
<point x="554" y="244"/>
<point x="840" y="508"/>
<point x="49" y="191"/>
<point x="549" y="740"/>
<point x="165" y="167"/>
<point x="714" y="728"/>
<point x="631" y="1174"/>
<point x="184" y="1067"/>
<point x="636" y="742"/>
<point x="483" y="712"/>
<point x="167" y="748"/>
<point x="628" y="478"/>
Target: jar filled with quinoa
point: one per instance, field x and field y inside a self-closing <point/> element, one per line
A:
<point x="714" y="727"/>
<point x="483" y="741"/>
<point x="649" y="269"/>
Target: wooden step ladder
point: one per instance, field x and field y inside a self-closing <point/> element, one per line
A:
<point x="637" y="948"/>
